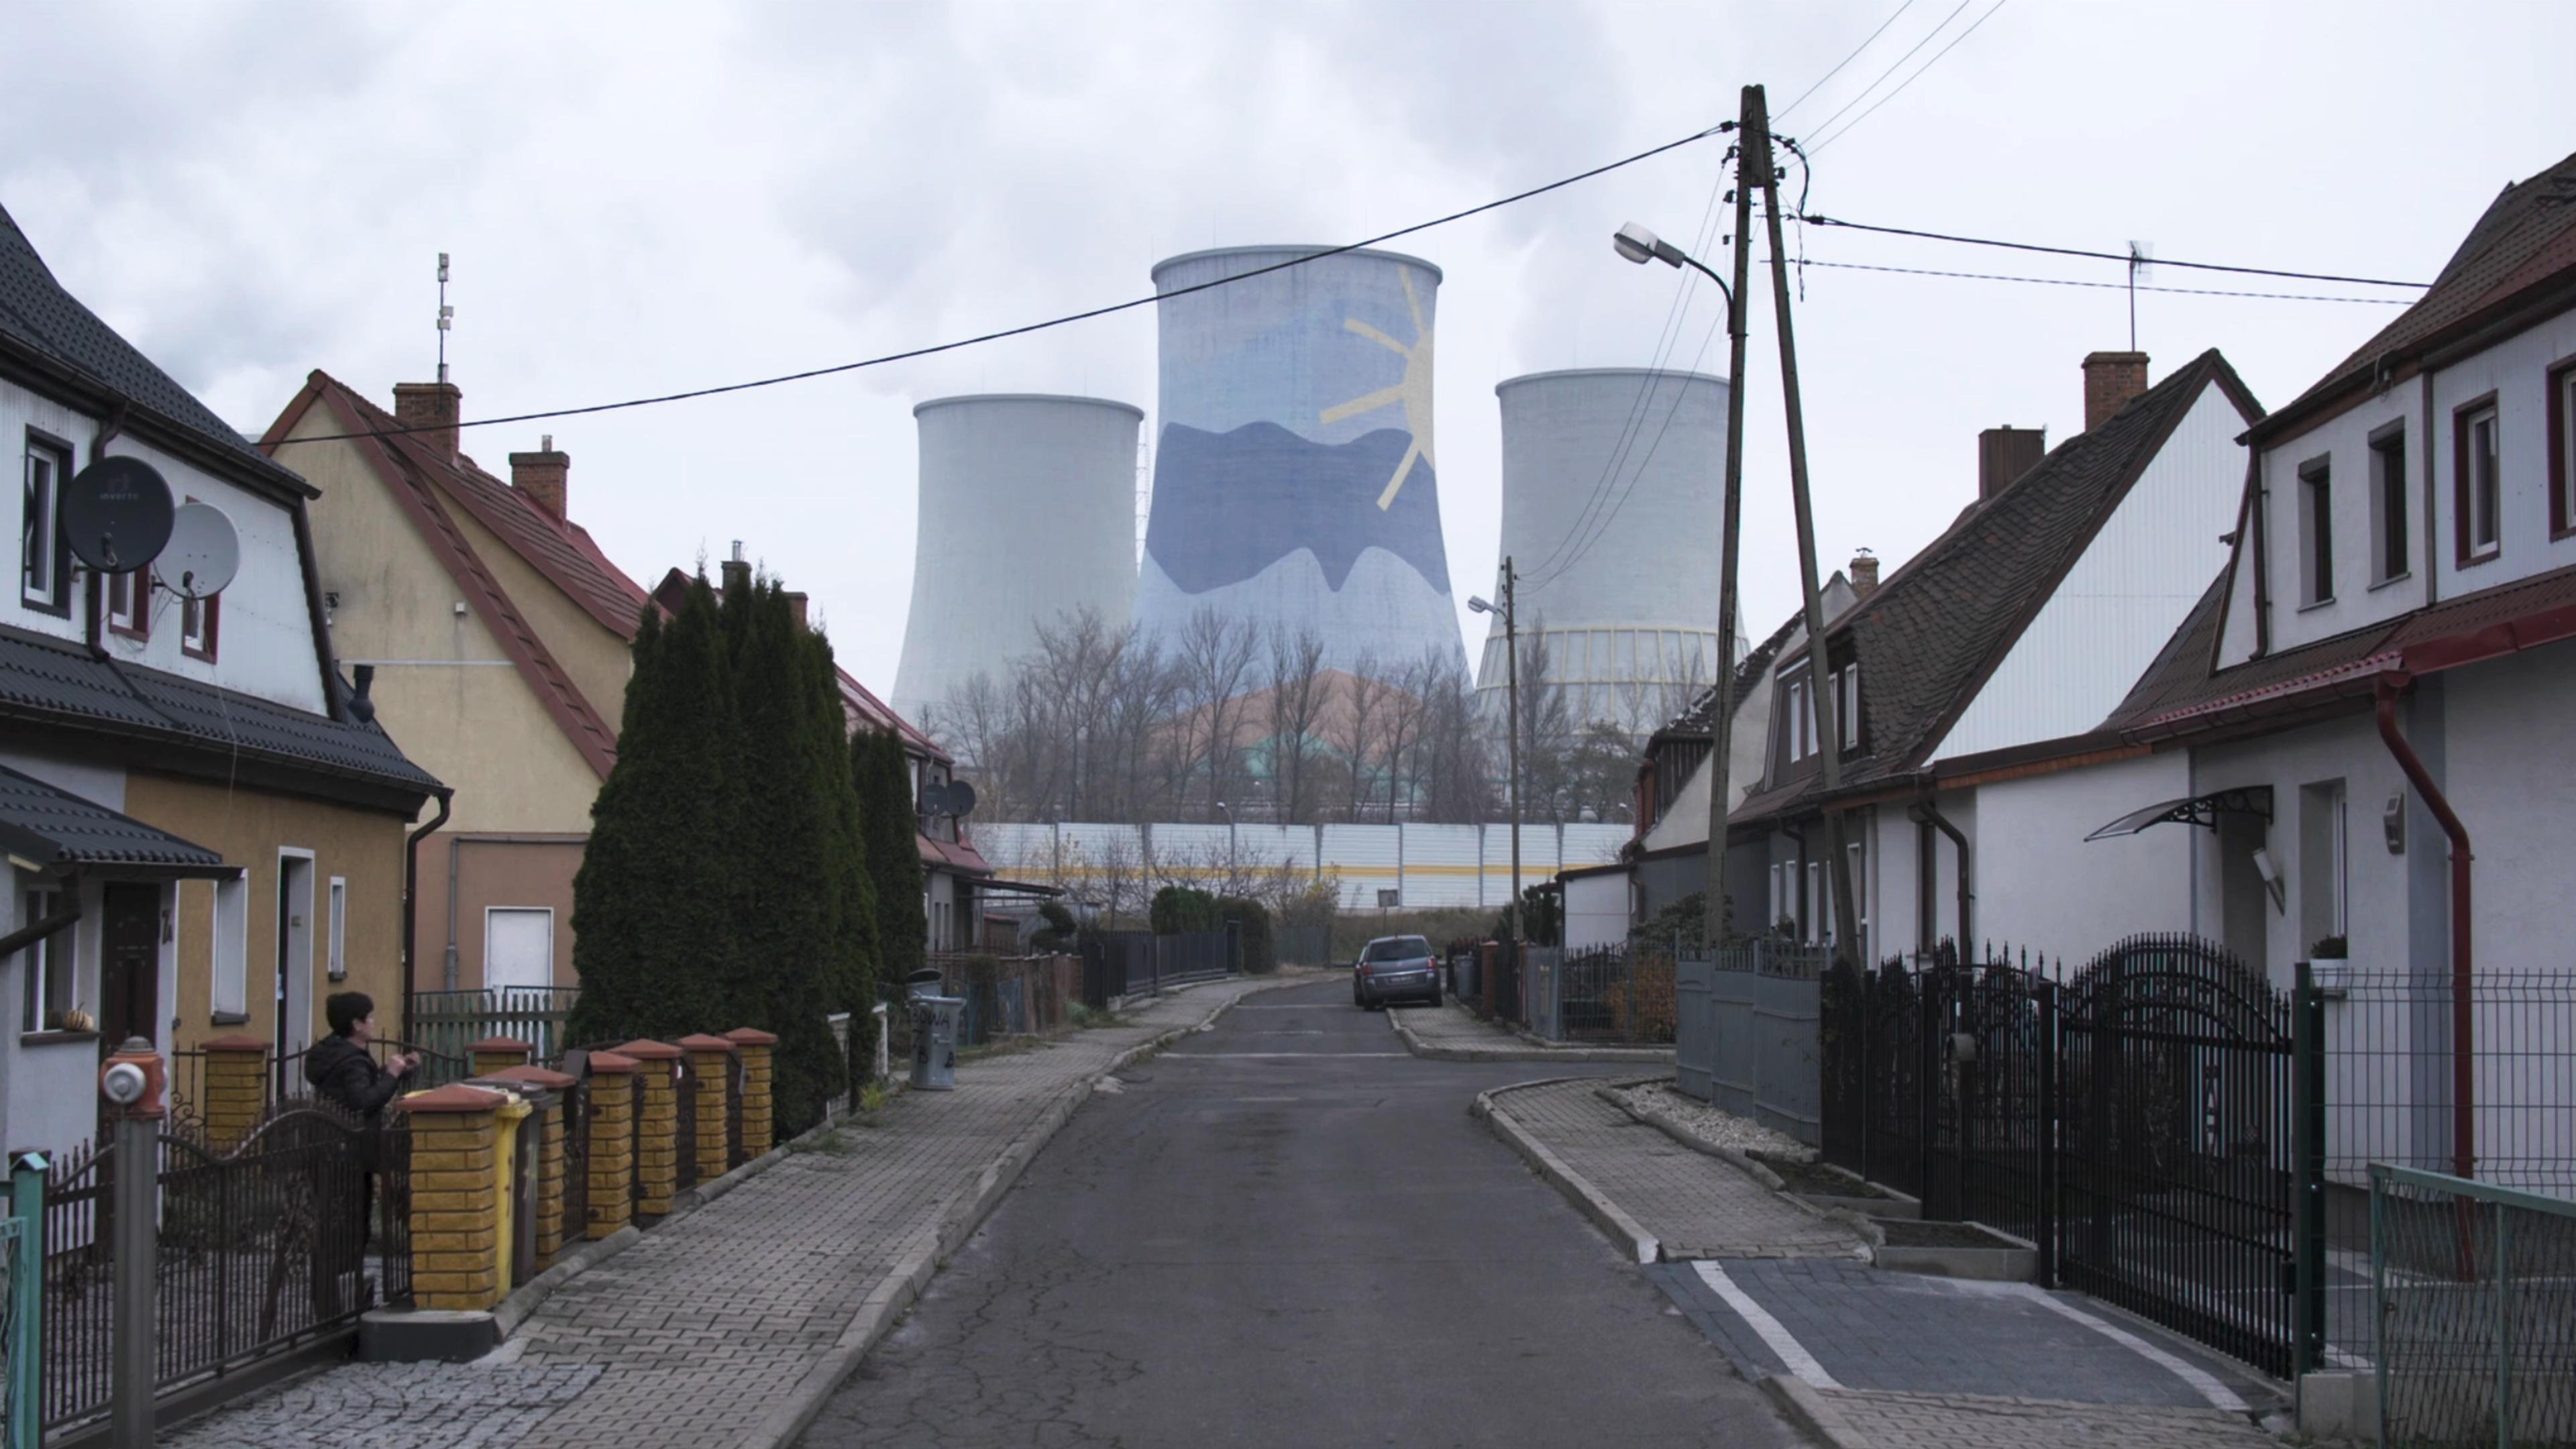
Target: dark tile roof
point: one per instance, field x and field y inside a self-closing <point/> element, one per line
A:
<point x="1695" y="722"/>
<point x="44" y="681"/>
<point x="56" y="829"/>
<point x="38" y="314"/>
<point x="1931" y="634"/>
<point x="2526" y="237"/>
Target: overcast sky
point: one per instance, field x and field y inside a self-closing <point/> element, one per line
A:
<point x="642" y="198"/>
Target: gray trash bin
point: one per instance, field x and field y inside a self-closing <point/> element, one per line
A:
<point x="934" y="1033"/>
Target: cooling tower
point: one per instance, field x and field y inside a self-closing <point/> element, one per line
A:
<point x="1612" y="491"/>
<point x="1294" y="483"/>
<point x="1028" y="511"/>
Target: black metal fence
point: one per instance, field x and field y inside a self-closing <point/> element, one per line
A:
<point x="1617" y="993"/>
<point x="283" y="1239"/>
<point x="1131" y="963"/>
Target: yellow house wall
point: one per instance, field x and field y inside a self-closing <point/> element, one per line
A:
<point x="444" y="689"/>
<point x="597" y="661"/>
<point x="363" y="847"/>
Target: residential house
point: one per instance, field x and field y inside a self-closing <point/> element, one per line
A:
<point x="205" y="826"/>
<point x="1988" y="661"/>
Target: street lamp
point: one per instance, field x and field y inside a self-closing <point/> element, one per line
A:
<point x="1641" y="246"/>
<point x="1512" y="712"/>
<point x="1230" y="866"/>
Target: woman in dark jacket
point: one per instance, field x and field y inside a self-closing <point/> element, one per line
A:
<point x="343" y="1073"/>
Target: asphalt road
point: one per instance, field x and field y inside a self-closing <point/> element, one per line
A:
<point x="1285" y="1231"/>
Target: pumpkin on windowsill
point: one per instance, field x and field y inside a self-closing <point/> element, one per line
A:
<point x="77" y="1020"/>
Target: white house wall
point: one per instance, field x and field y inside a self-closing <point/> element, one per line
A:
<point x="2515" y="370"/>
<point x="2125" y="596"/>
<point x="2359" y="597"/>
<point x="2042" y="887"/>
<point x="264" y="643"/>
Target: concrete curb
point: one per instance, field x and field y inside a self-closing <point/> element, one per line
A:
<point x="929" y="1249"/>
<point x="1867" y="1228"/>
<point x="1415" y="1044"/>
<point x="1812" y="1413"/>
<point x="1624" y="1231"/>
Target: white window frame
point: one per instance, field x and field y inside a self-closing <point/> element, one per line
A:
<point x="129" y="603"/>
<point x="1847" y="704"/>
<point x="1777" y="914"/>
<point x="42" y="532"/>
<point x="338" y="965"/>
<point x="2482" y="526"/>
<point x="1818" y="908"/>
<point x="228" y="988"/>
<point x="53" y="959"/>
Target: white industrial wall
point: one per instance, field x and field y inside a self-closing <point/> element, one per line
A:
<point x="1429" y="866"/>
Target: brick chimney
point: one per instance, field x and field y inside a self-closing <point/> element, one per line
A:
<point x="796" y="606"/>
<point x="736" y="573"/>
<point x="1864" y="574"/>
<point x="432" y="408"/>
<point x="2004" y="454"/>
<point x="543" y="476"/>
<point x="2111" y="379"/>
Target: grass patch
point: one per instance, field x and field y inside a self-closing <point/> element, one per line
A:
<point x="829" y="1142"/>
<point x="1085" y="1018"/>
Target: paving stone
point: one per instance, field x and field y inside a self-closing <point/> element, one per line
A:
<point x="1953" y="1421"/>
<point x="709" y="1320"/>
<point x="1694" y="1204"/>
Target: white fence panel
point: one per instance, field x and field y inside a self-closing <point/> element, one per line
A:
<point x="1593" y="844"/>
<point x="1367" y="860"/>
<point x="1538" y="860"/>
<point x="1440" y="866"/>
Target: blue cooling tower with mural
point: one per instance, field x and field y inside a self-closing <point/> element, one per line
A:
<point x="1293" y="478"/>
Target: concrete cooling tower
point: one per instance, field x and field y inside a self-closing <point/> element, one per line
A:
<point x="1294" y="483"/>
<point x="1028" y="511"/>
<point x="1613" y="480"/>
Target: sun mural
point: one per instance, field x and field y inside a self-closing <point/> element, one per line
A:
<point x="1414" y="392"/>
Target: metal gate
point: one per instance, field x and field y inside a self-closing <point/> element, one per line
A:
<point x="2176" y="1125"/>
<point x="1695" y="1034"/>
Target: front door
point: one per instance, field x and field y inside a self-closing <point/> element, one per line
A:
<point x="518" y="947"/>
<point x="129" y="964"/>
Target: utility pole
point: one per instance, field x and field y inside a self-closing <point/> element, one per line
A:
<point x="1821" y="685"/>
<point x="1718" y="909"/>
<point x="1512" y="703"/>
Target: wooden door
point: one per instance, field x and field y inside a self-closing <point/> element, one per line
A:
<point x="129" y="964"/>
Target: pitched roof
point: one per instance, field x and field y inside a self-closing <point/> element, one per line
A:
<point x="46" y="681"/>
<point x="2526" y="238"/>
<point x="38" y="315"/>
<point x="56" y="830"/>
<point x="1696" y="721"/>
<point x="414" y="473"/>
<point x="1930" y="636"/>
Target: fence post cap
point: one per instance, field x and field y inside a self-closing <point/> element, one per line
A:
<point x="502" y="1044"/>
<point x="455" y="1097"/>
<point x="545" y="1077"/>
<point x="751" y="1036"/>
<point x="615" y="1063"/>
<point x="235" y="1043"/>
<point x="645" y="1049"/>
<point x="701" y="1042"/>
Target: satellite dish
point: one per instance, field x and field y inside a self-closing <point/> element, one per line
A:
<point x="116" y="514"/>
<point x="203" y="553"/>
<point x="961" y="798"/>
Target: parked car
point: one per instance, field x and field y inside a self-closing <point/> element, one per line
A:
<point x="1395" y="968"/>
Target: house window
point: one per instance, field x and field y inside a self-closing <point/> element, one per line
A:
<point x="2324" y="897"/>
<point x="48" y="964"/>
<point x="1793" y="720"/>
<point x="2316" y="532"/>
<point x="2388" y="503"/>
<point x="339" y="959"/>
<point x="129" y="604"/>
<point x="44" y="559"/>
<point x="1779" y="912"/>
<point x="199" y="624"/>
<point x="2477" y="492"/>
<point x="1847" y="705"/>
<point x="1815" y="904"/>
<point x="2562" y="448"/>
<point x="230" y="995"/>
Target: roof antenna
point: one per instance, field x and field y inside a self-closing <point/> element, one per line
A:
<point x="446" y="316"/>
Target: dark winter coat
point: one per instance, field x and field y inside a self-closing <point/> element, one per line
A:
<point x="341" y="1072"/>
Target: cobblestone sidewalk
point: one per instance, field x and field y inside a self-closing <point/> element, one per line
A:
<point x="1958" y="1421"/>
<point x="707" y="1323"/>
<point x="1451" y="1032"/>
<point x="1694" y="1205"/>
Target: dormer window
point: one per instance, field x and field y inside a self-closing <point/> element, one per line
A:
<point x="2316" y="532"/>
<point x="199" y="626"/>
<point x="2477" y="489"/>
<point x="44" y="560"/>
<point x="129" y="604"/>
<point x="1847" y="704"/>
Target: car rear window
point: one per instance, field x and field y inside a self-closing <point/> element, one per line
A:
<point x="1400" y="948"/>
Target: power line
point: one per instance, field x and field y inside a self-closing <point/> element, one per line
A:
<point x="2121" y="257"/>
<point x="1894" y="66"/>
<point x="1052" y="322"/>
<point x="2114" y="286"/>
<point x="1909" y="80"/>
<point x="1846" y="60"/>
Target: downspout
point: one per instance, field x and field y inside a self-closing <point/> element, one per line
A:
<point x="1930" y="814"/>
<point x="411" y="897"/>
<point x="2463" y="1038"/>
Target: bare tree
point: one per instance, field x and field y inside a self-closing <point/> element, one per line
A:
<point x="1363" y="702"/>
<point x="1215" y="660"/>
<point x="1296" y="702"/>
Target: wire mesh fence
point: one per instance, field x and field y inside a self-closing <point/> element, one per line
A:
<point x="2475" y="1294"/>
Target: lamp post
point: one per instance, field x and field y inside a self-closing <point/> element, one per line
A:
<point x="1639" y="245"/>
<point x="1512" y="709"/>
<point x="1231" y="867"/>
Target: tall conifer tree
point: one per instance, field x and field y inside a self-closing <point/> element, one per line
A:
<point x="878" y="761"/>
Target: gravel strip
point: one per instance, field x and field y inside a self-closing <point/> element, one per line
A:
<point x="1719" y="1129"/>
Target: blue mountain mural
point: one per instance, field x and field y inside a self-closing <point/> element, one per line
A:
<point x="1228" y="505"/>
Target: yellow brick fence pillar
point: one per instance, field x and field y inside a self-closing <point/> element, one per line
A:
<point x="236" y="1088"/>
<point x="612" y="1143"/>
<point x="755" y="1047"/>
<point x="556" y="1097"/>
<point x="497" y="1054"/>
<point x="657" y="1108"/>
<point x="711" y="1077"/>
<point x="456" y="1197"/>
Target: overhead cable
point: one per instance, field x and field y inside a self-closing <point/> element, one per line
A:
<point x="2112" y="286"/>
<point x="1846" y="60"/>
<point x="2123" y="257"/>
<point x="1909" y="80"/>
